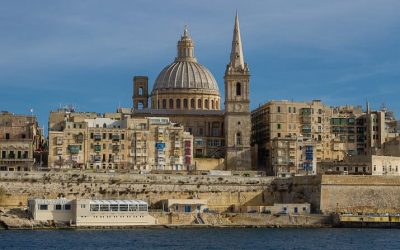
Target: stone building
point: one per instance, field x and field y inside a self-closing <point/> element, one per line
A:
<point x="21" y="142"/>
<point x="116" y="142"/>
<point x="187" y="93"/>
<point x="288" y="120"/>
<point x="362" y="165"/>
<point x="334" y="132"/>
<point x="293" y="155"/>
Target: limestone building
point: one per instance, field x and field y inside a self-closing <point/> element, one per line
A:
<point x="187" y="93"/>
<point x="333" y="133"/>
<point x="115" y="142"/>
<point x="21" y="142"/>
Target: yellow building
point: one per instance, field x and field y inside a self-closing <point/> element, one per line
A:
<point x="115" y="142"/>
<point x="333" y="132"/>
<point x="21" y="141"/>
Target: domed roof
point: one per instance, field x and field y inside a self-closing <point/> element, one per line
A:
<point x="185" y="75"/>
<point x="185" y="72"/>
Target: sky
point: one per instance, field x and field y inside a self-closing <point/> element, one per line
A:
<point x="86" y="52"/>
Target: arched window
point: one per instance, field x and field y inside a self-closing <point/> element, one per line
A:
<point x="140" y="91"/>
<point x="216" y="104"/>
<point x="206" y="104"/>
<point x="238" y="89"/>
<point x="158" y="104"/>
<point x="178" y="103"/>
<point x="192" y="104"/>
<point x="238" y="138"/>
<point x="199" y="104"/>
<point x="171" y="103"/>
<point x="104" y="125"/>
<point x="185" y="103"/>
<point x="212" y="104"/>
<point x="164" y="104"/>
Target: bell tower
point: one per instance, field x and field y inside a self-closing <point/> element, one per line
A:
<point x="237" y="120"/>
<point x="140" y="96"/>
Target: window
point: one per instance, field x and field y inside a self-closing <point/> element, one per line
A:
<point x="185" y="103"/>
<point x="123" y="207"/>
<point x="199" y="104"/>
<point x="171" y="103"/>
<point x="238" y="89"/>
<point x="206" y="104"/>
<point x="278" y="109"/>
<point x="94" y="207"/>
<point x="114" y="207"/>
<point x="140" y="91"/>
<point x="122" y="136"/>
<point x="67" y="207"/>
<point x="192" y="104"/>
<point x="319" y="119"/>
<point x="278" y="126"/>
<point x="58" y="207"/>
<point x="178" y="103"/>
<point x="239" y="138"/>
<point x="43" y="207"/>
<point x="290" y="109"/>
<point x="104" y="125"/>
<point x="23" y="136"/>
<point x="7" y="136"/>
<point x="164" y="104"/>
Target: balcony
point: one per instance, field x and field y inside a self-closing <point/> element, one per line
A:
<point x="115" y="137"/>
<point x="97" y="137"/>
<point x="97" y="148"/>
<point x="73" y="149"/>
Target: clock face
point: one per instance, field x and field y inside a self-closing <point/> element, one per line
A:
<point x="238" y="107"/>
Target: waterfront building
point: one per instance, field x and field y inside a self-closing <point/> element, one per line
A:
<point x="116" y="142"/>
<point x="333" y="132"/>
<point x="22" y="144"/>
<point x="187" y="93"/>
<point x="84" y="212"/>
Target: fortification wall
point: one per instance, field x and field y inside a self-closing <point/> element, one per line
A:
<point x="222" y="192"/>
<point x="364" y="194"/>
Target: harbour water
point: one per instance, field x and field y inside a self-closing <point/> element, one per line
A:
<point x="204" y="238"/>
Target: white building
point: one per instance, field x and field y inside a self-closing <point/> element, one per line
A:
<point x="84" y="212"/>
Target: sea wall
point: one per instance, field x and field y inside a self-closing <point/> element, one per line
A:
<point x="222" y="192"/>
<point x="241" y="219"/>
<point x="360" y="194"/>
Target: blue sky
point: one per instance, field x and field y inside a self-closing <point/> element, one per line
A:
<point x="85" y="53"/>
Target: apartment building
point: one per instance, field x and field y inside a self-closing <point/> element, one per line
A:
<point x="288" y="120"/>
<point x="115" y="141"/>
<point x="21" y="141"/>
<point x="333" y="133"/>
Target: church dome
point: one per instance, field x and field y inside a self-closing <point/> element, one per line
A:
<point x="185" y="73"/>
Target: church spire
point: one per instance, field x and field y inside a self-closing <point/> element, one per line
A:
<point x="237" y="59"/>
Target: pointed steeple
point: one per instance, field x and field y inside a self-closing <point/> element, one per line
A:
<point x="237" y="58"/>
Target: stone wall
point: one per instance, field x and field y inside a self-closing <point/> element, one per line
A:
<point x="222" y="192"/>
<point x="364" y="194"/>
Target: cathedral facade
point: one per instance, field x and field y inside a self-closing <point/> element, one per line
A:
<point x="187" y="93"/>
